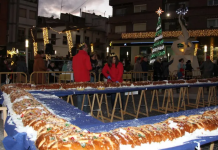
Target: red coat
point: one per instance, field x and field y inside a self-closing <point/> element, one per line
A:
<point x="81" y="67"/>
<point x="116" y="73"/>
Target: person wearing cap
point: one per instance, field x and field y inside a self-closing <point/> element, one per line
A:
<point x="113" y="71"/>
<point x="207" y="68"/>
<point x="81" y="66"/>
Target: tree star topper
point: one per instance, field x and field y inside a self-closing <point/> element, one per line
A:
<point x="159" y="11"/>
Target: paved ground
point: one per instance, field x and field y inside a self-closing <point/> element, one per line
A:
<point x="192" y="97"/>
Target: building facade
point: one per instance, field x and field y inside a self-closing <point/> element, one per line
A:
<point x="88" y="28"/>
<point x="134" y="21"/>
<point x="23" y="16"/>
<point x="3" y="26"/>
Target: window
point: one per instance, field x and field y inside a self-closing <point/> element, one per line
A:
<point x="97" y="40"/>
<point x="29" y="33"/>
<point x="212" y="22"/>
<point x="212" y="2"/>
<point x="140" y="8"/>
<point x="53" y="39"/>
<point x="184" y="4"/>
<point x="145" y="51"/>
<point x="120" y="29"/>
<point x="86" y="39"/>
<point x="121" y="12"/>
<point x="139" y="27"/>
<point x="64" y="40"/>
<point x="32" y="14"/>
<point x="123" y="52"/>
<point x="21" y="35"/>
<point x="168" y="26"/>
<point x="170" y="7"/>
<point x="77" y="39"/>
<point x="22" y="12"/>
<point x="97" y="43"/>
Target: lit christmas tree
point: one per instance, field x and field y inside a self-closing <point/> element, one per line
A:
<point x="158" y="47"/>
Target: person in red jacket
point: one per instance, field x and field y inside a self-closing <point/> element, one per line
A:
<point x="113" y="71"/>
<point x="81" y="66"/>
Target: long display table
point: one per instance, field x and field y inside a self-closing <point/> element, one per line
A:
<point x="61" y="93"/>
<point x="60" y="108"/>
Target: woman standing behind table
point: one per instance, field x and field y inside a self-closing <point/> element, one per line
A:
<point x="113" y="71"/>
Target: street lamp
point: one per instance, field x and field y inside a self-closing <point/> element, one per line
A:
<point x="205" y="52"/>
<point x="127" y="53"/>
<point x="168" y="14"/>
<point x="27" y="46"/>
<point x="17" y="51"/>
<point x="168" y="56"/>
<point x="107" y="50"/>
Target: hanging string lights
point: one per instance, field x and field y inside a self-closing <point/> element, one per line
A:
<point x="35" y="44"/>
<point x="69" y="37"/>
<point x="69" y="40"/>
<point x="45" y="36"/>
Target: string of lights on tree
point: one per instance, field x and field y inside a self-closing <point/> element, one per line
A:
<point x="158" y="47"/>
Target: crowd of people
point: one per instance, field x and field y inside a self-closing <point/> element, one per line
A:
<point x="82" y="65"/>
<point x="184" y="70"/>
<point x="15" y="64"/>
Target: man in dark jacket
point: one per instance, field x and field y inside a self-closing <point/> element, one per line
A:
<point x="207" y="68"/>
<point x="157" y="70"/>
<point x="81" y="68"/>
<point x="165" y="65"/>
<point x="94" y="64"/>
<point x="145" y="66"/>
<point x="215" y="68"/>
<point x="3" y="68"/>
<point x="21" y="67"/>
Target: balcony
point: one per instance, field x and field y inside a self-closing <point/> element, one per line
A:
<point x="117" y="2"/>
<point x="132" y="17"/>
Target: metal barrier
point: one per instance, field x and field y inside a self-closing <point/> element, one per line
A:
<point x="133" y="76"/>
<point x="194" y="74"/>
<point x="13" y="77"/>
<point x="47" y="77"/>
<point x="197" y="74"/>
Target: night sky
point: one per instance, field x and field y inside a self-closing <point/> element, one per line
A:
<point x="48" y="8"/>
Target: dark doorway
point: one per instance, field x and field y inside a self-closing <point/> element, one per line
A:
<point x="123" y="53"/>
